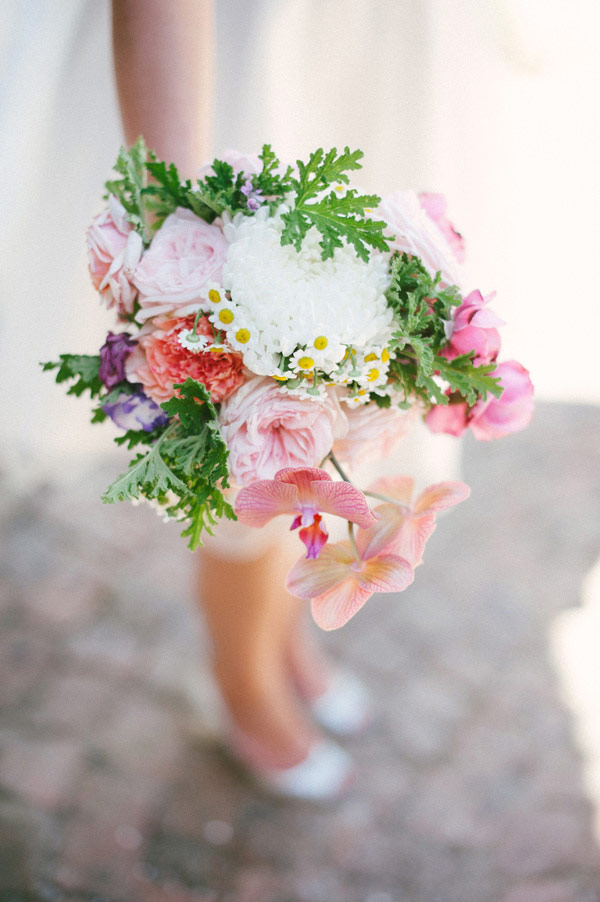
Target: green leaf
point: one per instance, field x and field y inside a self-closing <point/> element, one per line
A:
<point x="338" y="218"/>
<point x="166" y="192"/>
<point x="472" y="382"/>
<point x="82" y="368"/>
<point x="129" y="189"/>
<point x="186" y="468"/>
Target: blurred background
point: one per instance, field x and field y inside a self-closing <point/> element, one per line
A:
<point x="482" y="777"/>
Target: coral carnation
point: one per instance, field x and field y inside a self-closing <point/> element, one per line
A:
<point x="159" y="361"/>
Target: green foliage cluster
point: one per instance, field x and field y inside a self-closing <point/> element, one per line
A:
<point x="422" y="307"/>
<point x="184" y="466"/>
<point x="339" y="217"/>
<point x="185" y="469"/>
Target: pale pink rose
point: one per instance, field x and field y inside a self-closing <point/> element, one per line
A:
<point x="267" y="429"/>
<point x="159" y="361"/>
<point x="475" y="328"/>
<point x="185" y="254"/>
<point x="247" y="163"/>
<point x="114" y="250"/>
<point x="435" y="207"/>
<point x="512" y="411"/>
<point x="415" y="233"/>
<point x="372" y="432"/>
<point x="452" y="419"/>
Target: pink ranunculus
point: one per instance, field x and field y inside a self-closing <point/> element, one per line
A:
<point x="114" y="250"/>
<point x="475" y="328"/>
<point x="372" y="432"/>
<point x="267" y="429"/>
<point x="247" y="163"/>
<point x="511" y="412"/>
<point x="435" y="207"/>
<point x="186" y="253"/>
<point x="159" y="360"/>
<point x="415" y="233"/>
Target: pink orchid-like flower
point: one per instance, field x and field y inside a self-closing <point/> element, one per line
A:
<point x="494" y="417"/>
<point x="475" y="329"/>
<point x="403" y="525"/>
<point x="305" y="492"/>
<point x="512" y="411"/>
<point x="451" y="419"/>
<point x="340" y="581"/>
<point x="383" y="560"/>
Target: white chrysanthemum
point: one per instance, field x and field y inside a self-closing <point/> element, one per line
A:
<point x="298" y="302"/>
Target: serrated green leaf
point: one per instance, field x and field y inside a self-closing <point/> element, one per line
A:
<point x="83" y="368"/>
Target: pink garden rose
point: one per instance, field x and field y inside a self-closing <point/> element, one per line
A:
<point x="114" y="250"/>
<point x="372" y="432"/>
<point x="159" y="360"/>
<point x="435" y="207"/>
<point x="475" y="329"/>
<point x="494" y="417"/>
<point x="185" y="254"/>
<point x="415" y="233"/>
<point x="512" y="411"/>
<point x="267" y="429"/>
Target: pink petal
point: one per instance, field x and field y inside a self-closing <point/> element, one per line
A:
<point x="343" y="500"/>
<point x="386" y="573"/>
<point x="400" y="488"/>
<point x="335" y="608"/>
<point x="314" y="537"/>
<point x="441" y="496"/>
<point x="309" y="578"/>
<point x="377" y="538"/>
<point x="303" y="478"/>
<point x="409" y="543"/>
<point x="259" y="502"/>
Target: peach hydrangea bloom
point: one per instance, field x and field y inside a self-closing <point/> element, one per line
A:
<point x="159" y="361"/>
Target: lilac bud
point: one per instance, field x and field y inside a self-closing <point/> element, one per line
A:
<point x="113" y="354"/>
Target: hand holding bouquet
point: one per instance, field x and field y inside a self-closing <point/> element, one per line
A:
<point x="275" y="319"/>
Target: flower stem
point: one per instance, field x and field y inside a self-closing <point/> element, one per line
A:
<point x="352" y="539"/>
<point x="337" y="466"/>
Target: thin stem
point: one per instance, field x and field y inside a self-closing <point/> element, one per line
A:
<point x="352" y="539"/>
<point x="337" y="466"/>
<point x="384" y="498"/>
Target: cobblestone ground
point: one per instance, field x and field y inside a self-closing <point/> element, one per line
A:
<point x="471" y="786"/>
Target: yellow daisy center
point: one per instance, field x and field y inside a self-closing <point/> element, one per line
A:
<point x="214" y="297"/>
<point x="243" y="336"/>
<point x="281" y="378"/>
<point x="385" y="355"/>
<point x="306" y="363"/>
<point x="370" y="357"/>
<point x="226" y="316"/>
<point x="321" y="342"/>
<point x="372" y="375"/>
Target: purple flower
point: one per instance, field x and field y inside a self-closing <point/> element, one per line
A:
<point x="113" y="354"/>
<point x="254" y="196"/>
<point x="136" y="411"/>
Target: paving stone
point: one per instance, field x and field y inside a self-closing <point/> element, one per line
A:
<point x="43" y="773"/>
<point x="471" y="786"/>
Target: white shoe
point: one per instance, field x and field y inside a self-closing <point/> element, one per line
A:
<point x="344" y="708"/>
<point x="325" y="775"/>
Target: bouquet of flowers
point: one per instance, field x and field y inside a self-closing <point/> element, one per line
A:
<point x="273" y="321"/>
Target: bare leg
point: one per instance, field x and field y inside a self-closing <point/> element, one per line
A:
<point x="248" y="615"/>
<point x="308" y="665"/>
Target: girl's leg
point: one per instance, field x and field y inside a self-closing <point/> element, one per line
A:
<point x="249" y="614"/>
